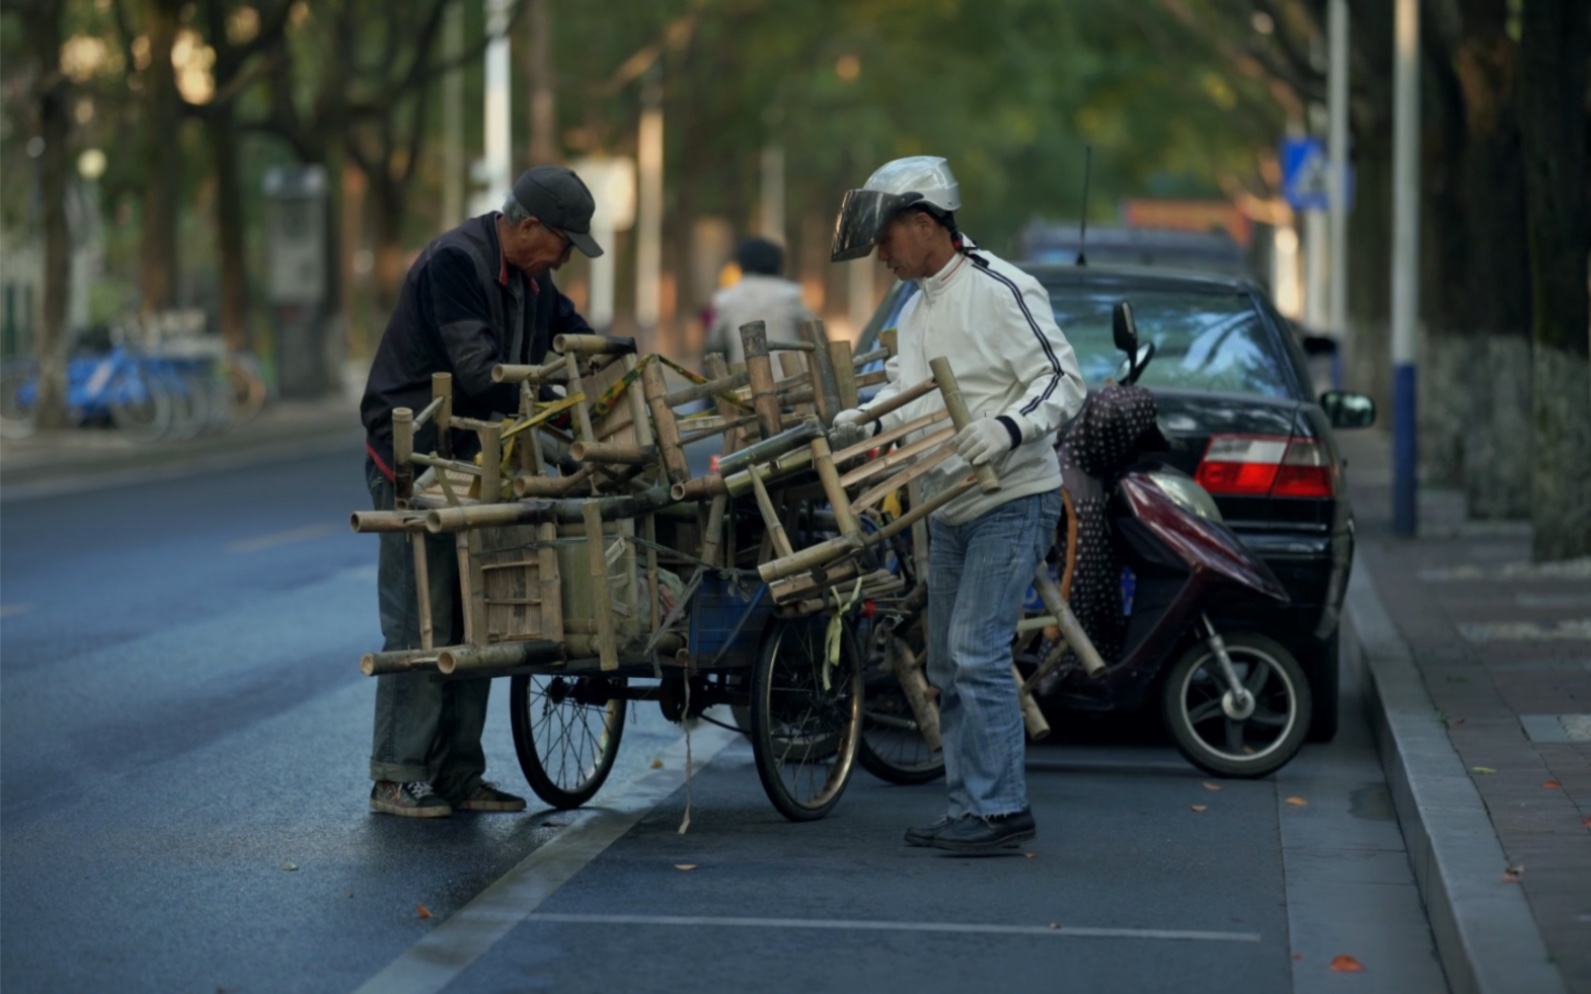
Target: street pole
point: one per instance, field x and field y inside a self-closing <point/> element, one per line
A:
<point x="453" y="120"/>
<point x="1337" y="151"/>
<point x="1405" y="263"/>
<point x="772" y="219"/>
<point x="649" y="213"/>
<point x="499" y="125"/>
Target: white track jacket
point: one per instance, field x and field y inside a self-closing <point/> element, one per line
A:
<point x="996" y="326"/>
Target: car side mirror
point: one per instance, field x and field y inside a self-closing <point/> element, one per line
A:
<point x="1123" y="329"/>
<point x="1319" y="345"/>
<point x="1348" y="410"/>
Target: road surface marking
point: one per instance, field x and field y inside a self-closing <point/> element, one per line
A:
<point x="280" y="538"/>
<point x="450" y="948"/>
<point x="1527" y="631"/>
<point x="12" y="610"/>
<point x="1563" y="569"/>
<point x="867" y="925"/>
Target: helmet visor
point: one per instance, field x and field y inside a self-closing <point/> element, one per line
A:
<point x="863" y="216"/>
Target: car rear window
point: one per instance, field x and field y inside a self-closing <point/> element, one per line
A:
<point x="1203" y="341"/>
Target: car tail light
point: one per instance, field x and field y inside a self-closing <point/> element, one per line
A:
<point x="1267" y="466"/>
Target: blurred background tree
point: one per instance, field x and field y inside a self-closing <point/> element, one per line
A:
<point x="162" y="117"/>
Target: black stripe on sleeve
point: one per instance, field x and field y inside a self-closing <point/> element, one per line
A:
<point x="1049" y="350"/>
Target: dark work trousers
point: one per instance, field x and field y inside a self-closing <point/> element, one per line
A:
<point x="425" y="729"/>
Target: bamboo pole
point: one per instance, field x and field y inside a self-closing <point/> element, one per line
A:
<point x="442" y="388"/>
<point x="825" y="383"/>
<point x="654" y="600"/>
<point x="621" y="453"/>
<point x="536" y="485"/>
<point x="498" y="655"/>
<point x="596" y="556"/>
<point x="864" y="359"/>
<point x="770" y="518"/>
<point x="402" y="453"/>
<point x="397" y="661"/>
<point x="960" y="416"/>
<point x="453" y="465"/>
<point x="830" y="478"/>
<point x="593" y="345"/>
<point x="844" y="372"/>
<point x="712" y="388"/>
<point x="428" y="412"/>
<point x="636" y="398"/>
<point x="908" y="667"/>
<point x="550" y="581"/>
<point x="505" y="372"/>
<point x="790" y="365"/>
<point x="902" y="480"/>
<point x="886" y="438"/>
<point x="769" y="448"/>
<point x="664" y="424"/>
<point x="366" y="522"/>
<point x="1066" y="621"/>
<point x="492" y="464"/>
<point x="712" y="535"/>
<point x="582" y="416"/>
<point x="759" y="369"/>
<point x="473" y="588"/>
<point x="811" y="557"/>
<point x="1032" y="717"/>
<point x="422" y="587"/>
<point x="906" y="454"/>
<point x="890" y="339"/>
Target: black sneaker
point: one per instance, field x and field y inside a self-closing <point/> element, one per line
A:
<point x="924" y="835"/>
<point x="408" y="800"/>
<point x="486" y="797"/>
<point x="978" y="833"/>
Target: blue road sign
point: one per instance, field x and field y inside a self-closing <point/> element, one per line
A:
<point x="1305" y="171"/>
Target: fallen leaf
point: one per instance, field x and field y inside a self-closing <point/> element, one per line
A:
<point x="684" y="866"/>
<point x="1212" y="786"/>
<point x="1552" y="784"/>
<point x="1056" y="926"/>
<point x="1347" y="964"/>
<point x="1297" y="957"/>
<point x="1298" y="802"/>
<point x="1031" y="855"/>
<point x="1248" y="750"/>
<point x="1512" y="874"/>
<point x="423" y="910"/>
<point x="657" y="764"/>
<point x="1199" y="807"/>
<point x="1482" y="770"/>
<point x="1459" y="721"/>
<point x="1588" y="821"/>
<point x="290" y="867"/>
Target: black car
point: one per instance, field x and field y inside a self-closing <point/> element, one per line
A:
<point x="1236" y="395"/>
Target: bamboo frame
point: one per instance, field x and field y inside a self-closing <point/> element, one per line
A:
<point x="664" y="424"/>
<point x="593" y="345"/>
<point x="960" y="416"/>
<point x="759" y="369"/>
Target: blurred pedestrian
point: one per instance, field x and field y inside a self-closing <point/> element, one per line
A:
<point x="761" y="294"/>
<point x="1021" y="383"/>
<point x="479" y="295"/>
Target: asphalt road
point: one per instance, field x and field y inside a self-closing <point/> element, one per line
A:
<point x="183" y="744"/>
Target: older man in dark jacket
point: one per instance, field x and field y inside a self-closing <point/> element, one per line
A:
<point x="479" y="295"/>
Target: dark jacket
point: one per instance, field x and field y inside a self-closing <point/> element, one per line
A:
<point x="456" y="315"/>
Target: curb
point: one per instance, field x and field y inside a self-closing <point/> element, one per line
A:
<point x="1486" y="935"/>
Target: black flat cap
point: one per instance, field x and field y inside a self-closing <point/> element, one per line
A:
<point x="559" y="199"/>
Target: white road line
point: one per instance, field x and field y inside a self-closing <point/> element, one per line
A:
<point x="450" y="948"/>
<point x="279" y="538"/>
<point x="12" y="610"/>
<point x="866" y="925"/>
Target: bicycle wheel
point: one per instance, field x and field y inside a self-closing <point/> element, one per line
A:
<point x="806" y="716"/>
<point x="566" y="732"/>
<point x="892" y="747"/>
<point x="140" y="404"/>
<point x="19" y="388"/>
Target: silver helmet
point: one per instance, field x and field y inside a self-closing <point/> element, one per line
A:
<point x="917" y="180"/>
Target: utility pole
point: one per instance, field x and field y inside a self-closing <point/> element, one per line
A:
<point x="1405" y="262"/>
<point x="1337" y="152"/>
<point x="649" y="214"/>
<point x="543" y="117"/>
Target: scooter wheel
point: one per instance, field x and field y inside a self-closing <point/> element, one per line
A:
<point x="1216" y="734"/>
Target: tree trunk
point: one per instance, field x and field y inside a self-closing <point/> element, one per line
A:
<point x="1368" y="363"/>
<point x="162" y="161"/>
<point x="223" y="136"/>
<point x="55" y="166"/>
<point x="539" y="63"/>
<point x="1556" y="42"/>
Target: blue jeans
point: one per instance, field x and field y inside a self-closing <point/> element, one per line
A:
<point x="978" y="573"/>
<point x="425" y="729"/>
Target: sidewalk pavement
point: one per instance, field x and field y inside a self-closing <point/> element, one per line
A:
<point x="74" y="460"/>
<point x="1481" y="663"/>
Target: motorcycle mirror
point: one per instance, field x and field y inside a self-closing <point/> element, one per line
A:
<point x="1123" y="329"/>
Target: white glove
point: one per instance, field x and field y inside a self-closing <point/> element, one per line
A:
<point x="851" y="427"/>
<point x="982" y="440"/>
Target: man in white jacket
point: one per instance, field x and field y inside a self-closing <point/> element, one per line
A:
<point x="1021" y="383"/>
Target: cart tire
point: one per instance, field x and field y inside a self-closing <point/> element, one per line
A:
<point x="1261" y="744"/>
<point x="566" y="746"/>
<point x="892" y="748"/>
<point x="804" y="736"/>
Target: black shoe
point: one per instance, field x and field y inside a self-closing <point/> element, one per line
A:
<point x="976" y="833"/>
<point x="924" y="835"/>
